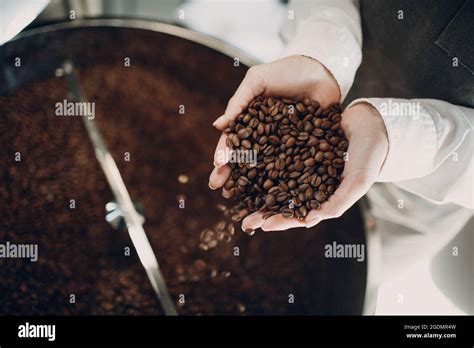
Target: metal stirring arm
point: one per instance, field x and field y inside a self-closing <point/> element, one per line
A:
<point x="132" y="218"/>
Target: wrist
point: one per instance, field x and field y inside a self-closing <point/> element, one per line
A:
<point x="367" y="116"/>
<point x="363" y="119"/>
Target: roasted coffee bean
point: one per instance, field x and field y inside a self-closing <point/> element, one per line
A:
<point x="290" y="142"/>
<point x="314" y="204"/>
<point x="246" y="119"/>
<point x="324" y="146"/>
<point x="207" y="235"/>
<point x="330" y="189"/>
<point x="230" y="229"/>
<point x="293" y="118"/>
<point x="244" y="133"/>
<point x="300" y="107"/>
<point x="325" y="124"/>
<point x="280" y="164"/>
<point x="246" y="144"/>
<point x="274" y="190"/>
<point x="321" y="170"/>
<point x="281" y="197"/>
<point x="318" y="132"/>
<point x="220" y="226"/>
<point x="320" y="196"/>
<point x="343" y="145"/>
<point x="335" y="126"/>
<point x="273" y="139"/>
<point x="338" y="163"/>
<point x="273" y="174"/>
<point x="329" y="155"/>
<point x="302" y="178"/>
<point x="303" y="136"/>
<point x="236" y="218"/>
<point x="242" y="181"/>
<point x="334" y="140"/>
<point x="313" y="141"/>
<point x="288" y="213"/>
<point x="234" y="139"/>
<point x="309" y="193"/>
<point x="303" y="211"/>
<point x="292" y="184"/>
<point x="229" y="184"/>
<point x="252" y="173"/>
<point x="270" y="166"/>
<point x="294" y="174"/>
<point x="268" y="184"/>
<point x="309" y="162"/>
<point x="229" y="143"/>
<point x="268" y="129"/>
<point x="270" y="200"/>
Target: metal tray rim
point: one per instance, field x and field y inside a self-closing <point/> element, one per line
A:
<point x="184" y="33"/>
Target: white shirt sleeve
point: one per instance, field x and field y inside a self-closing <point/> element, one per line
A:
<point x="17" y="14"/>
<point x="430" y="148"/>
<point x="328" y="31"/>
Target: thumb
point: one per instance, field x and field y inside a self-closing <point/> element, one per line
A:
<point x="251" y="86"/>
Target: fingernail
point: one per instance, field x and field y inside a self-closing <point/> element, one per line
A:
<point x="210" y="186"/>
<point x="218" y="119"/>
<point x="313" y="222"/>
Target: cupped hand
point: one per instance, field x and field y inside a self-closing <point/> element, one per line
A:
<point x="294" y="77"/>
<point x="368" y="147"/>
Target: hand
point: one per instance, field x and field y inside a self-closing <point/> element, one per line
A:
<point x="368" y="147"/>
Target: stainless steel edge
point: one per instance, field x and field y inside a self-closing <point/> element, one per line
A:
<point x="203" y="39"/>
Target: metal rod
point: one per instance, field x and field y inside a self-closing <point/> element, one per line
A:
<point x="132" y="218"/>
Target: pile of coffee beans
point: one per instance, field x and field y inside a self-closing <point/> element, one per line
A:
<point x="300" y="156"/>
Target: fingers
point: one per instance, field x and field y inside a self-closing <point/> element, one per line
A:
<point x="313" y="222"/>
<point x="280" y="223"/>
<point x="352" y="188"/>
<point x="221" y="155"/>
<point x="253" y="221"/>
<point x="218" y="177"/>
<point x="251" y="86"/>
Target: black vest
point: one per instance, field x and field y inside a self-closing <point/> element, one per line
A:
<point x="417" y="49"/>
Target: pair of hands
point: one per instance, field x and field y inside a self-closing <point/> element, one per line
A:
<point x="299" y="77"/>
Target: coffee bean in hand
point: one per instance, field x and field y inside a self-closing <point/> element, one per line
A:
<point x="288" y="156"/>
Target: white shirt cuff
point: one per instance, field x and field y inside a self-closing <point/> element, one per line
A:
<point x="332" y="45"/>
<point x="411" y="135"/>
